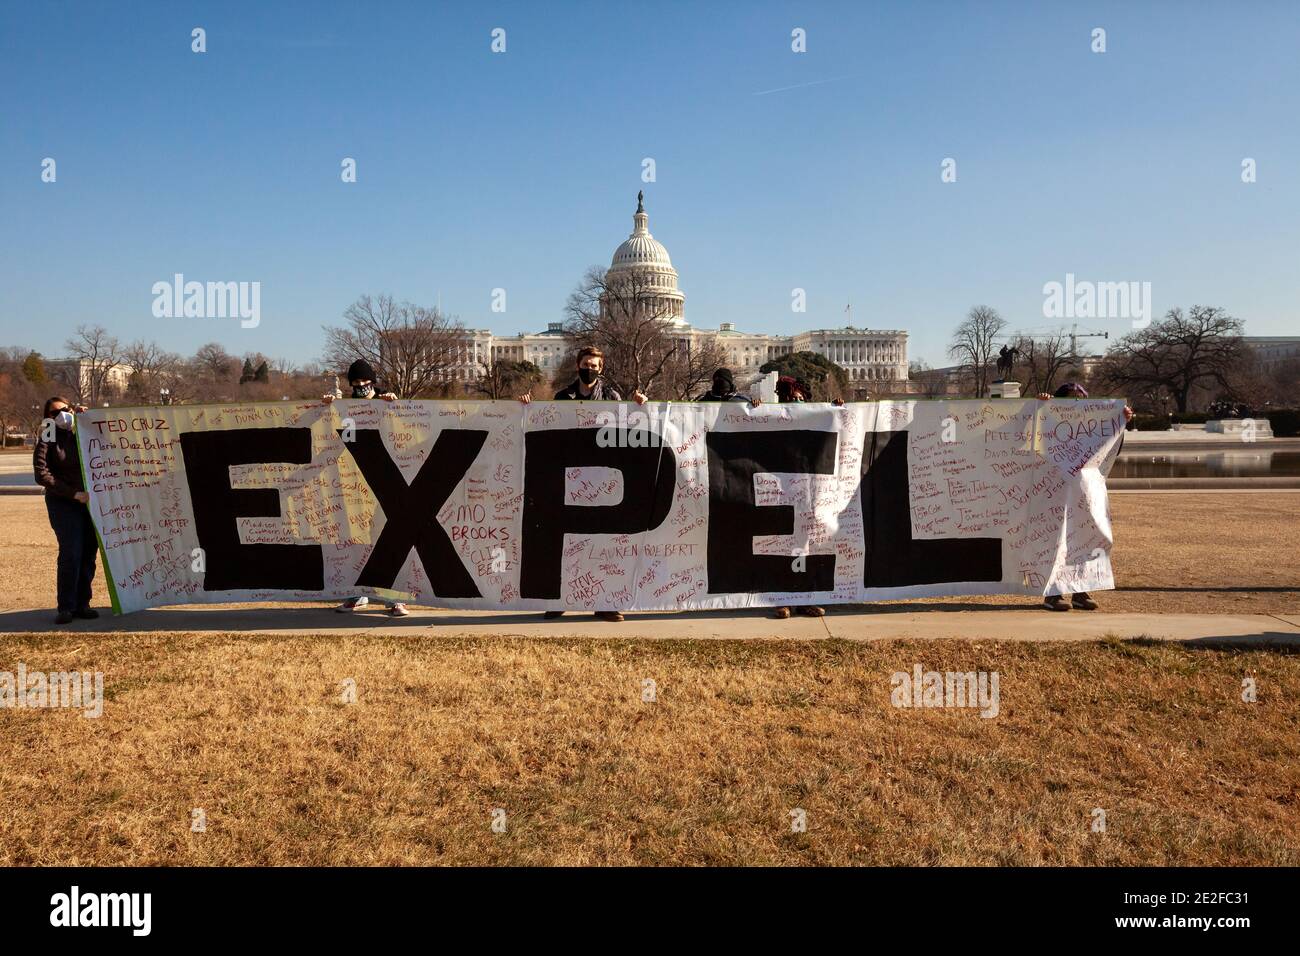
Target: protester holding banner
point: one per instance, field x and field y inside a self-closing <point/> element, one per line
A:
<point x="724" y="390"/>
<point x="57" y="466"/>
<point x="789" y="389"/>
<point x="476" y="506"/>
<point x="1080" y="600"/>
<point x="361" y="379"/>
<point x="589" y="386"/>
<point x="793" y="390"/>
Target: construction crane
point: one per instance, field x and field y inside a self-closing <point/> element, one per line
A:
<point x="1076" y="334"/>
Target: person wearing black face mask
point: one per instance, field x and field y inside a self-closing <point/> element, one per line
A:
<point x="57" y="466"/>
<point x="589" y="386"/>
<point x="361" y="378"/>
<point x="724" y="390"/>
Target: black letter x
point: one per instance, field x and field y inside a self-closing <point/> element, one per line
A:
<point x="412" y="510"/>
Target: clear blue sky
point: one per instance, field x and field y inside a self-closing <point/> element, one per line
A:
<point x="519" y="170"/>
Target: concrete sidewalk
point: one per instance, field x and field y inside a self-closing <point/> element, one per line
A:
<point x="1018" y="621"/>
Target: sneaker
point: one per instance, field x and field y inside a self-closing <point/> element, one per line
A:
<point x="552" y="615"/>
<point x="610" y="615"/>
<point x="810" y="610"/>
<point x="1083" y="602"/>
<point x="1055" y="603"/>
<point x="781" y="613"/>
<point x="352" y="604"/>
<point x="63" y="617"/>
<point x="398" y="610"/>
<point x="87" y="613"/>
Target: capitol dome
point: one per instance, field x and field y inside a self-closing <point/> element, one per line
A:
<point x="643" y="258"/>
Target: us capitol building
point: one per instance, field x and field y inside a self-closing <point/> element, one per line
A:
<point x="866" y="355"/>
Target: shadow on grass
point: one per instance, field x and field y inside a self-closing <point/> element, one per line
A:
<point x="1286" y="642"/>
<point x="201" y="617"/>
<point x="314" y="618"/>
<point x="1213" y="590"/>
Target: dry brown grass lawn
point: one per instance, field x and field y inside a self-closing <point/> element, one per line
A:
<point x="253" y="730"/>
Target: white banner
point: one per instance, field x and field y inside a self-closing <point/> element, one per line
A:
<point x="600" y="505"/>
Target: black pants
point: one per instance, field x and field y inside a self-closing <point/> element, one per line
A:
<point x="77" y="549"/>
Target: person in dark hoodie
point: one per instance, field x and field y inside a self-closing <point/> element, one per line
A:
<point x="57" y="467"/>
<point x="724" y="390"/>
<point x="1081" y="600"/>
<point x="361" y="380"/>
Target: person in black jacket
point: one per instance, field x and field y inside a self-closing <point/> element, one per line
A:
<point x="724" y="390"/>
<point x="361" y="381"/>
<point x="589" y="386"/>
<point x="57" y="467"/>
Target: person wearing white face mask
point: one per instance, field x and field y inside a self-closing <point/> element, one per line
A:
<point x="58" y="470"/>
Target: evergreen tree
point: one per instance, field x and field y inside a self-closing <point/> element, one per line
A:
<point x="827" y="380"/>
<point x="34" y="369"/>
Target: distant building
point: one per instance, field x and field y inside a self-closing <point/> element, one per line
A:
<point x="867" y="355"/>
<point x="88" y="381"/>
<point x="1273" y="350"/>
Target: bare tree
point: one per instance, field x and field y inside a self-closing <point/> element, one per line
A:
<point x="628" y="318"/>
<point x="212" y="375"/>
<point x="152" y="369"/>
<point x="691" y="368"/>
<point x="1179" y="355"/>
<point x="1044" y="360"/>
<point x="413" y="350"/>
<point x="1283" y="383"/>
<point x="95" y="354"/>
<point x="506" y="378"/>
<point x="214" y="361"/>
<point x="930" y="383"/>
<point x="972" y="344"/>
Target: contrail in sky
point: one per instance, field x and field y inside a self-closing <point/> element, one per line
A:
<point x="800" y="86"/>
